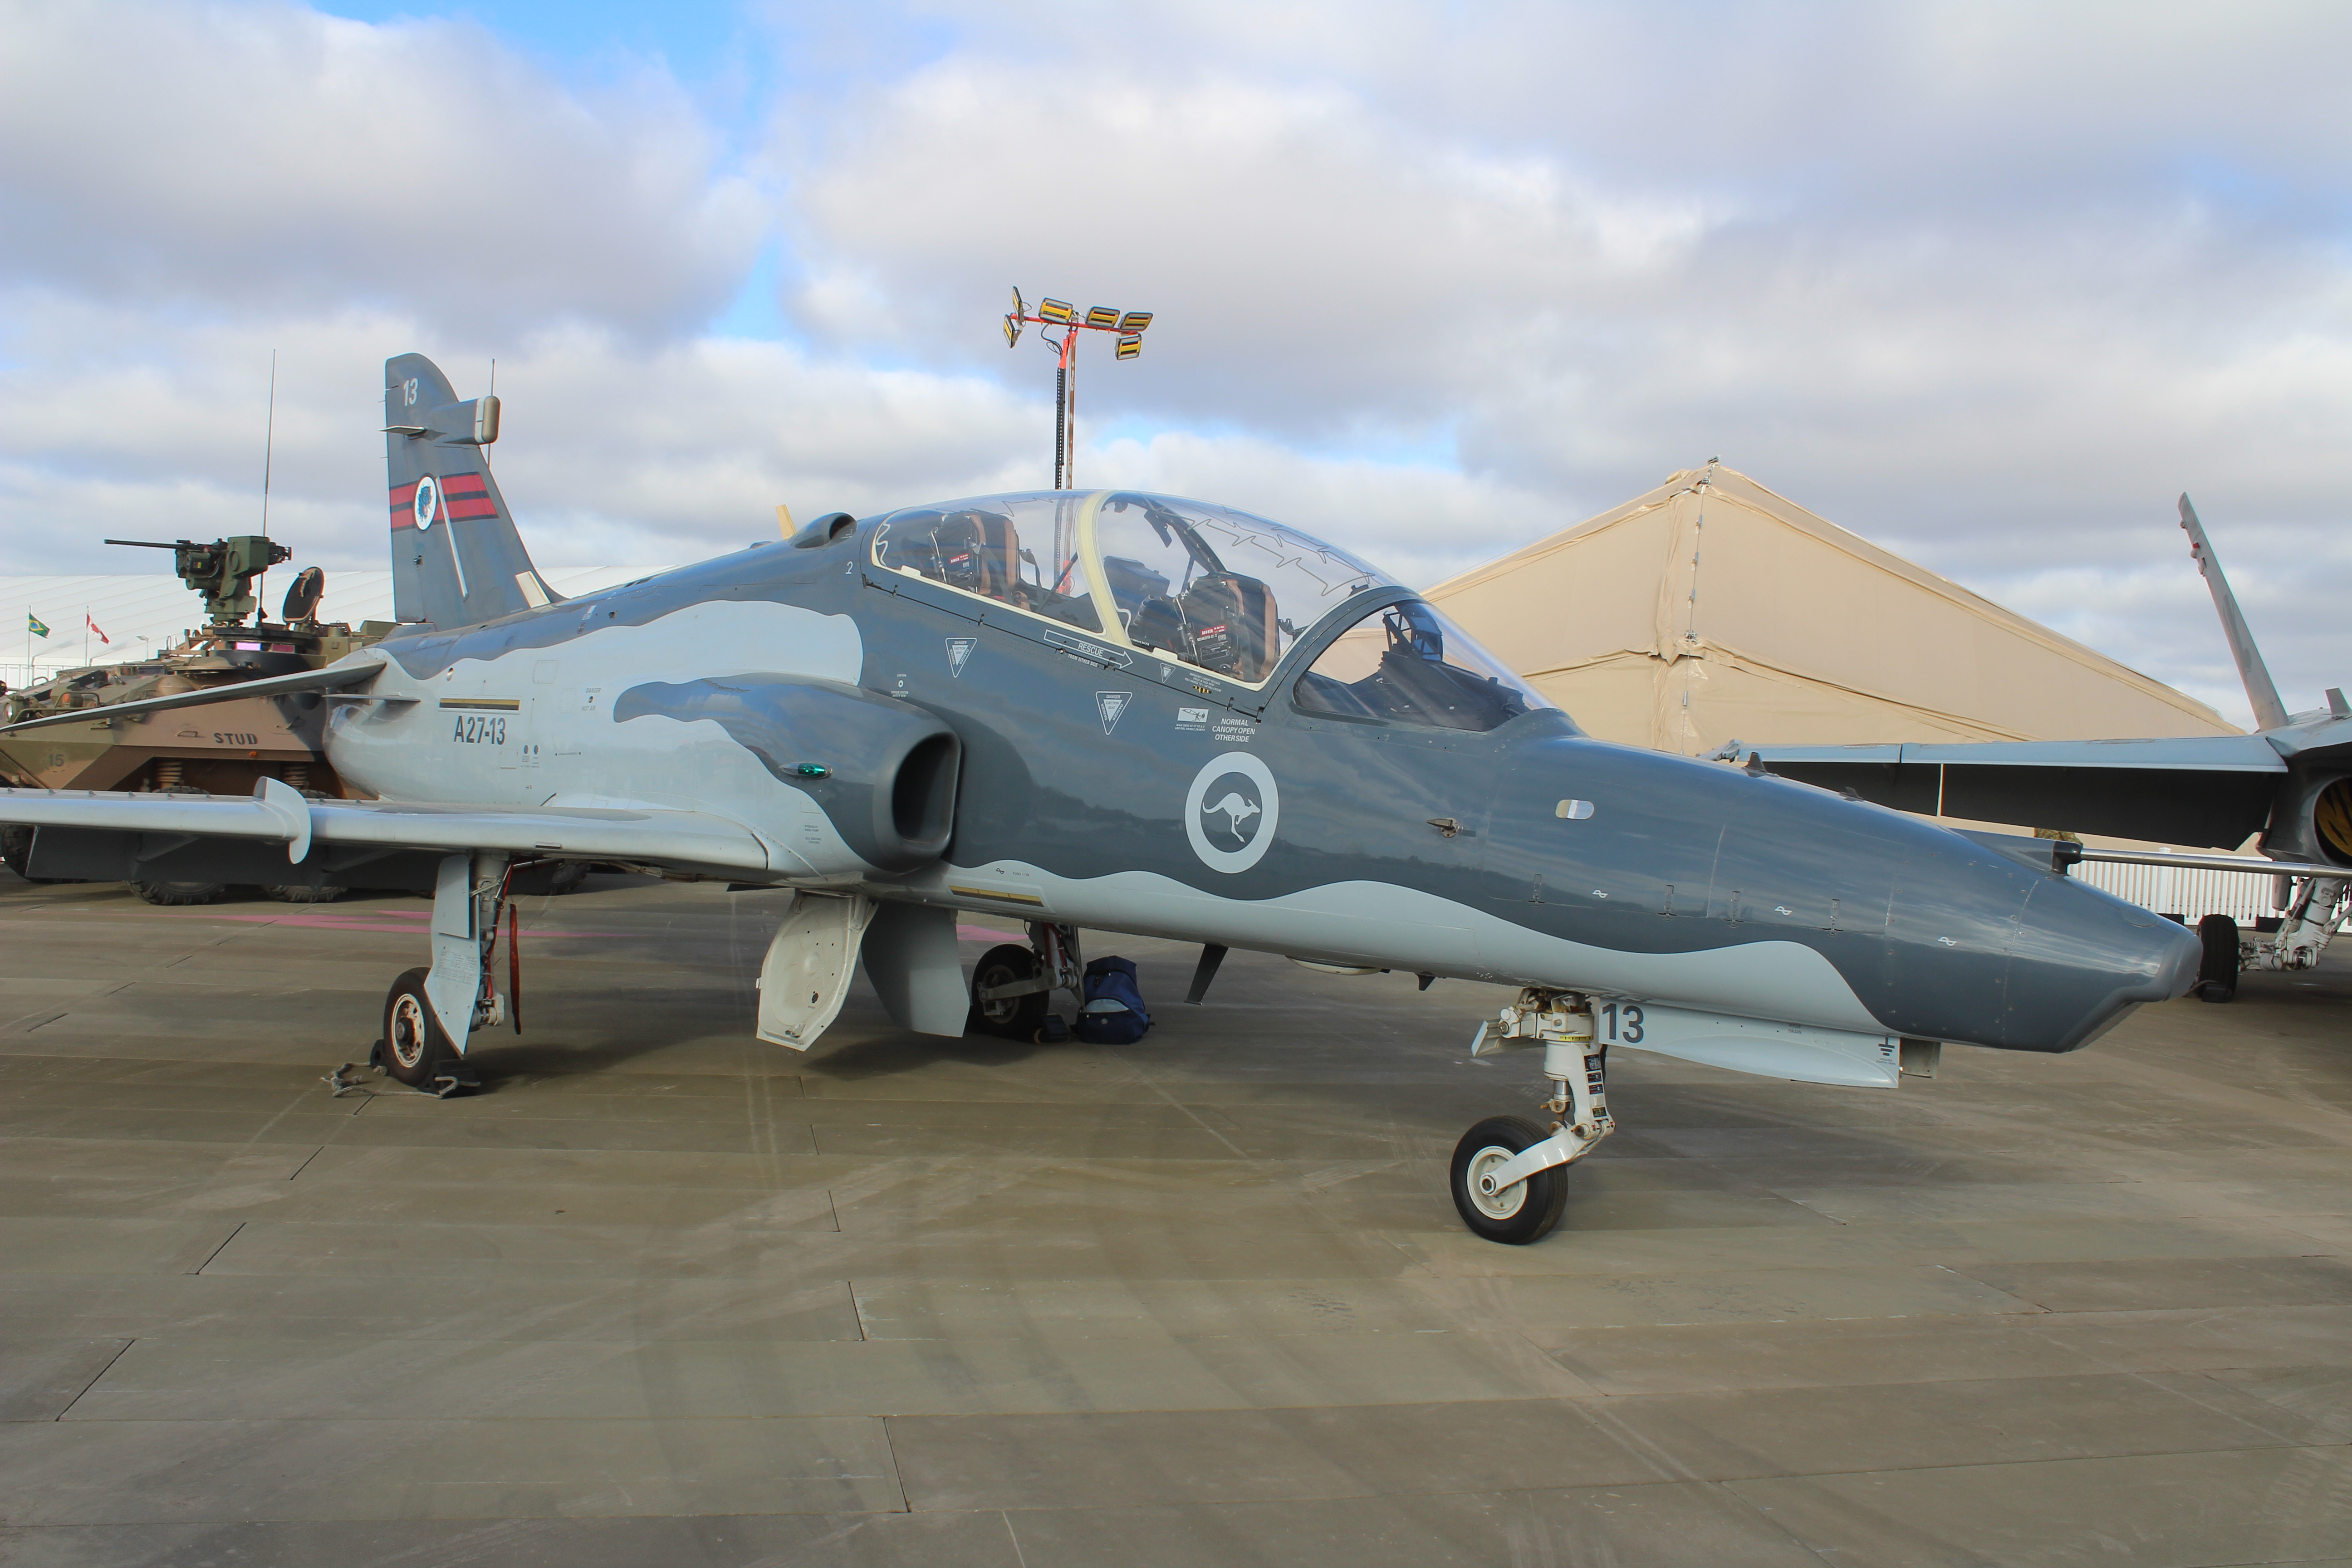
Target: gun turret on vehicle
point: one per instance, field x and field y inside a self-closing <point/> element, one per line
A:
<point x="222" y="573"/>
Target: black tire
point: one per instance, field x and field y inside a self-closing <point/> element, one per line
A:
<point x="2217" y="975"/>
<point x="179" y="892"/>
<point x="295" y="893"/>
<point x="568" y="878"/>
<point x="16" y="853"/>
<point x="1013" y="1017"/>
<point x="17" y="848"/>
<point x="1522" y="1213"/>
<point x="414" y="1043"/>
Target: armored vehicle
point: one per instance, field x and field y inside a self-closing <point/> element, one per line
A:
<point x="228" y="747"/>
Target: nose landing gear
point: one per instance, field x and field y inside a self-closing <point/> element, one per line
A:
<point x="1509" y="1177"/>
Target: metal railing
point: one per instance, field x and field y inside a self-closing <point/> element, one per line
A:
<point x="2192" y="893"/>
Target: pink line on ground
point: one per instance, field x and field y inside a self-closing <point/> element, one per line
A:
<point x="324" y="920"/>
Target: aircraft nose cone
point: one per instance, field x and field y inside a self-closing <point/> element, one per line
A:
<point x="1985" y="949"/>
<point x="2081" y="962"/>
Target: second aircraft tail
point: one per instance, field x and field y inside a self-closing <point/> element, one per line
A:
<point x="2270" y="713"/>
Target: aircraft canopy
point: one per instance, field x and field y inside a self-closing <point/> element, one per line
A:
<point x="1213" y="586"/>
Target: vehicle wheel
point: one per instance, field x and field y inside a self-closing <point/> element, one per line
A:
<point x="413" y="1041"/>
<point x="1010" y="1017"/>
<point x="1521" y="1213"/>
<point x="16" y="853"/>
<point x="294" y="893"/>
<point x="568" y="877"/>
<point x="179" y="892"/>
<point x="2216" y="976"/>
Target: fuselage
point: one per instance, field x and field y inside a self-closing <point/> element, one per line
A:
<point x="1104" y="786"/>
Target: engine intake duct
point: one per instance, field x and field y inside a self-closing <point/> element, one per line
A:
<point x="883" y="771"/>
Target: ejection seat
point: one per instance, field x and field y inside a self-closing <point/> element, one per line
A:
<point x="978" y="552"/>
<point x="1230" y="622"/>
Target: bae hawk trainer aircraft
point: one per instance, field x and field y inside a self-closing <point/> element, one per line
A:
<point x="1123" y="713"/>
<point x="2291" y="781"/>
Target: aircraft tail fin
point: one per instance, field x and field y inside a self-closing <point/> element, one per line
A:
<point x="2270" y="713"/>
<point x="457" y="559"/>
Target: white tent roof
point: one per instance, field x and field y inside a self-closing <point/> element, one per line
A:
<point x="158" y="608"/>
<point x="1711" y="610"/>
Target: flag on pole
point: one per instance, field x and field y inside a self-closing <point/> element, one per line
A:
<point x="93" y="626"/>
<point x="32" y="625"/>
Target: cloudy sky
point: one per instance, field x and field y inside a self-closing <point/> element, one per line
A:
<point x="1988" y="283"/>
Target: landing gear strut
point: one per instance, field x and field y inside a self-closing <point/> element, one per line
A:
<point x="1509" y="1175"/>
<point x="431" y="1013"/>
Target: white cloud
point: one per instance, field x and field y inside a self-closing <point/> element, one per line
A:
<point x="1418" y="523"/>
<point x="257" y="156"/>
<point x="1313" y="263"/>
<point x="1989" y="283"/>
<point x="112" y="424"/>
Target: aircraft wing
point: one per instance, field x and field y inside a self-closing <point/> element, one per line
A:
<point x="2212" y="790"/>
<point x="650" y="834"/>
<point x="336" y="677"/>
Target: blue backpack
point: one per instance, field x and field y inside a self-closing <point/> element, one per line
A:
<point x="1113" y="1013"/>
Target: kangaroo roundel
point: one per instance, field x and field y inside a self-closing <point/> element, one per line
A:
<point x="1231" y="811"/>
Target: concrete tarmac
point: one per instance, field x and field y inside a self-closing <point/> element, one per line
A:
<point x="662" y="1294"/>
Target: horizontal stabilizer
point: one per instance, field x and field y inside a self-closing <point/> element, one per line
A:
<point x="339" y="677"/>
<point x="2214" y="753"/>
<point x="2067" y="855"/>
<point x="2212" y="790"/>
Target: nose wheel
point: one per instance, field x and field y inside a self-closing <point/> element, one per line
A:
<point x="1509" y="1175"/>
<point x="1522" y="1212"/>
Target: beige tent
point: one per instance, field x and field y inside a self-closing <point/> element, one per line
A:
<point x="1712" y="610"/>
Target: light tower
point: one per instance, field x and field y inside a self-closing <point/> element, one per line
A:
<point x="1125" y="326"/>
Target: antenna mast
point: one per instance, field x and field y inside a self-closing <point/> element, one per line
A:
<point x="269" y="442"/>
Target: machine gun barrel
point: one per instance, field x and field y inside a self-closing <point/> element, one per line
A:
<point x="146" y="544"/>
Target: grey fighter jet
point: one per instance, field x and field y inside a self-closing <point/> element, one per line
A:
<point x="1121" y="712"/>
<point x="2291" y="781"/>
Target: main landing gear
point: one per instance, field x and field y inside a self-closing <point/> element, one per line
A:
<point x="431" y="1013"/>
<point x="1013" y="985"/>
<point x="1510" y="1175"/>
<point x="2312" y="915"/>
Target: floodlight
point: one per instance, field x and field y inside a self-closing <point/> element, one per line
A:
<point x="1126" y="327"/>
